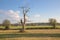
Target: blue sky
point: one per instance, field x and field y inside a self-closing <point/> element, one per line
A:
<point x="40" y="10"/>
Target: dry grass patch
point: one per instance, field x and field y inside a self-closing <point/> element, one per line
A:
<point x="32" y="38"/>
<point x="8" y="31"/>
<point x="44" y="31"/>
<point x="50" y="31"/>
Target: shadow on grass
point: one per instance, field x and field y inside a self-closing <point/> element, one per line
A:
<point x="28" y="35"/>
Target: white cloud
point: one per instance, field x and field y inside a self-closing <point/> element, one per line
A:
<point x="44" y="19"/>
<point x="10" y="14"/>
<point x="35" y="18"/>
<point x="13" y="16"/>
<point x="37" y="15"/>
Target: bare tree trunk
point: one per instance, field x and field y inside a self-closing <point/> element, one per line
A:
<point x="24" y="14"/>
<point x="22" y="23"/>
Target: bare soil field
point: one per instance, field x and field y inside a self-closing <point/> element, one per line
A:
<point x="49" y="31"/>
<point x="29" y="32"/>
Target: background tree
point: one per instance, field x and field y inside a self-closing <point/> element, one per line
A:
<point x="53" y="22"/>
<point x="6" y="23"/>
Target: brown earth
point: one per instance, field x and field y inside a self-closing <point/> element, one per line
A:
<point x="48" y="31"/>
<point x="51" y="31"/>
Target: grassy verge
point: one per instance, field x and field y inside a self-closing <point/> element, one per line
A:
<point x="28" y="35"/>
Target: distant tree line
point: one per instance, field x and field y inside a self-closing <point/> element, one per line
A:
<point x="52" y="22"/>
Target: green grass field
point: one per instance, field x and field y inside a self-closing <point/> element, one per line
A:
<point x="17" y="27"/>
<point x="28" y="35"/>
